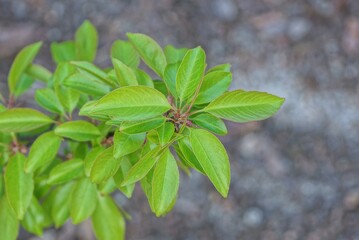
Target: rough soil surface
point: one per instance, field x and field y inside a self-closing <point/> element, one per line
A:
<point x="295" y="176"/>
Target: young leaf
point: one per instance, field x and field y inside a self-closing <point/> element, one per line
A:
<point x="174" y="55"/>
<point x="165" y="183"/>
<point x="22" y="120"/>
<point x="170" y="78"/>
<point x="165" y="133"/>
<point x="104" y="166"/>
<point x="34" y="218"/>
<point x="89" y="68"/>
<point x="90" y="159"/>
<point x="241" y="106"/>
<point x="9" y="227"/>
<point x="48" y="100"/>
<point x="190" y="73"/>
<point x="134" y="127"/>
<point x="213" y="158"/>
<point x="66" y="171"/>
<point x="143" y="78"/>
<point x="210" y="122"/>
<point x="86" y="84"/>
<point x="79" y="130"/>
<point x="114" y="226"/>
<point x="19" y="185"/>
<point x="38" y="72"/>
<point x="22" y="60"/>
<point x="132" y="103"/>
<point x="119" y="176"/>
<point x="125" y="75"/>
<point x="187" y="154"/>
<point x="60" y="204"/>
<point x="214" y="85"/>
<point x="150" y="52"/>
<point x="124" y="51"/>
<point x="86" y="41"/>
<point x="142" y="167"/>
<point x="125" y="144"/>
<point x="42" y="151"/>
<point x="25" y="82"/>
<point x="63" y="52"/>
<point x="83" y="200"/>
<point x="222" y="68"/>
<point x="86" y="110"/>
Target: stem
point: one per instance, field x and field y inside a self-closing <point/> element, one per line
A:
<point x="11" y="101"/>
<point x="2" y="99"/>
<point x="195" y="95"/>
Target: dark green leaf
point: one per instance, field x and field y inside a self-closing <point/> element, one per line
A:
<point x="241" y="106"/>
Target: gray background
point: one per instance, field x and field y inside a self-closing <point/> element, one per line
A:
<point x="294" y="176"/>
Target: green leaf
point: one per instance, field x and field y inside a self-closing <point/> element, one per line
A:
<point x="89" y="68"/>
<point x="86" y="41"/>
<point x="125" y="144"/>
<point x="160" y="86"/>
<point x="222" y="68"/>
<point x="170" y="78"/>
<point x="107" y="187"/>
<point x="2" y="108"/>
<point x="79" y="130"/>
<point x="165" y="183"/>
<point x="190" y="73"/>
<point x="124" y="51"/>
<point x="114" y="225"/>
<point x="132" y="103"/>
<point x="125" y="75"/>
<point x="83" y="200"/>
<point x="66" y="171"/>
<point x="104" y="166"/>
<point x="119" y="176"/>
<point x="19" y="185"/>
<point x="60" y="204"/>
<point x="214" y="85"/>
<point x="22" y="60"/>
<point x="48" y="100"/>
<point x="90" y="159"/>
<point x="150" y="52"/>
<point x="25" y="82"/>
<point x="213" y="158"/>
<point x="188" y="156"/>
<point x="9" y="227"/>
<point x="86" y="110"/>
<point x="143" y="78"/>
<point x="165" y="133"/>
<point x="86" y="84"/>
<point x="43" y="151"/>
<point x="134" y="127"/>
<point x="210" y="122"/>
<point x="34" y="218"/>
<point x="174" y="55"/>
<point x="241" y="106"/>
<point x="63" y="52"/>
<point x="142" y="167"/>
<point x="39" y="72"/>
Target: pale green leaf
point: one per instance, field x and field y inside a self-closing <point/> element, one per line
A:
<point x="90" y="68"/>
<point x="170" y="78"/>
<point x="42" y="151"/>
<point x="9" y="227"/>
<point x="150" y="52"/>
<point x="25" y="82"/>
<point x="143" y="78"/>
<point x="86" y="41"/>
<point x="66" y="171"/>
<point x="213" y="158"/>
<point x="119" y="177"/>
<point x="60" y="204"/>
<point x="48" y="100"/>
<point x="107" y="221"/>
<point x="22" y="60"/>
<point x="140" y="126"/>
<point x="34" y="218"/>
<point x="125" y="75"/>
<point x="86" y="84"/>
<point x="241" y="106"/>
<point x="19" y="185"/>
<point x="78" y="130"/>
<point x="124" y="51"/>
<point x="127" y="143"/>
<point x="90" y="159"/>
<point x="131" y="103"/>
<point x="39" y="72"/>
<point x="104" y="166"/>
<point x="83" y="200"/>
<point x="210" y="122"/>
<point x="187" y="155"/>
<point x="165" y="183"/>
<point x="165" y="133"/>
<point x="63" y="52"/>
<point x="174" y="55"/>
<point x="222" y="67"/>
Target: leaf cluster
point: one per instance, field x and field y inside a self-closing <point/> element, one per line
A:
<point x="102" y="130"/>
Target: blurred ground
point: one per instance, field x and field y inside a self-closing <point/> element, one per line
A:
<point x="295" y="176"/>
